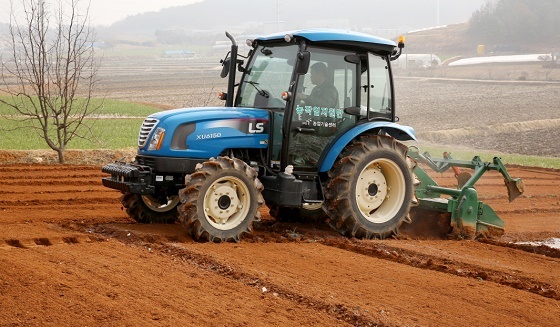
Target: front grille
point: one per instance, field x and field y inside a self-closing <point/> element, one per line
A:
<point x="147" y="127"/>
<point x="146" y="161"/>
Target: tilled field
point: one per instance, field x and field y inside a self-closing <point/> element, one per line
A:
<point x="70" y="256"/>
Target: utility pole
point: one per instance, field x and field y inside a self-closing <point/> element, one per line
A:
<point x="437" y="13"/>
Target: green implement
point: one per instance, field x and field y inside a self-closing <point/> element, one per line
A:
<point x="470" y="218"/>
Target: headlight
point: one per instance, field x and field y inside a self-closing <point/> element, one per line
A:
<point x="157" y="139"/>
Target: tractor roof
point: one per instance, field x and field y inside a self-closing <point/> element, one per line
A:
<point x="334" y="36"/>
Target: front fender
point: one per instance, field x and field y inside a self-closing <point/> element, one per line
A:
<point x="399" y="132"/>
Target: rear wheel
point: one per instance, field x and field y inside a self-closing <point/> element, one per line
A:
<point x="307" y="213"/>
<point x="370" y="189"/>
<point x="147" y="209"/>
<point x="221" y="200"/>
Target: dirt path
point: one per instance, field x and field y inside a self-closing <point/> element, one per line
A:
<point x="70" y="256"/>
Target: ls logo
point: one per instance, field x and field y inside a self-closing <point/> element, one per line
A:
<point x="256" y="128"/>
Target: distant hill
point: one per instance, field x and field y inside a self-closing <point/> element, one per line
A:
<point x="457" y="40"/>
<point x="212" y="17"/>
<point x="451" y="40"/>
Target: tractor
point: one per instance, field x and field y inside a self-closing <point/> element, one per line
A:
<point x="310" y="129"/>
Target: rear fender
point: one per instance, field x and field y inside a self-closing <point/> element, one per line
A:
<point x="399" y="132"/>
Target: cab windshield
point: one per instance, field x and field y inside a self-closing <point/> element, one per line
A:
<point x="267" y="75"/>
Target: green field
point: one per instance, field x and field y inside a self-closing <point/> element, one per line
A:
<point x="105" y="134"/>
<point x="117" y="127"/>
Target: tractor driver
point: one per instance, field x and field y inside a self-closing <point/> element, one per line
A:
<point x="305" y="149"/>
<point x="324" y="94"/>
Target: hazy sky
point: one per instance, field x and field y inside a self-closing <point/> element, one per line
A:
<point x="119" y="9"/>
<point x="105" y="12"/>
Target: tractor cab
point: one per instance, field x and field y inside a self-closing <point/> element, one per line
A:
<point x="315" y="91"/>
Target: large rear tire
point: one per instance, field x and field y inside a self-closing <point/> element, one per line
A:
<point x="147" y="209"/>
<point x="221" y="200"/>
<point x="370" y="190"/>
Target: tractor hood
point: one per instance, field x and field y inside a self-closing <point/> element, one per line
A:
<point x="203" y="132"/>
<point x="206" y="113"/>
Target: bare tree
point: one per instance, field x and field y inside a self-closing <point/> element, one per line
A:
<point x="51" y="71"/>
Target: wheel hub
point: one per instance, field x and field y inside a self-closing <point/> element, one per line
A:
<point x="222" y="202"/>
<point x="371" y="189"/>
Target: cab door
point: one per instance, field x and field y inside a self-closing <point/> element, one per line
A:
<point x="317" y="115"/>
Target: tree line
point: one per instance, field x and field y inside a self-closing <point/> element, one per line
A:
<point x="517" y="21"/>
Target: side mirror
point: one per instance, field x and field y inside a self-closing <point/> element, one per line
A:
<point x="225" y="67"/>
<point x="304" y="58"/>
<point x="353" y="59"/>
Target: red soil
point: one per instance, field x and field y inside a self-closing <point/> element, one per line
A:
<point x="70" y="256"/>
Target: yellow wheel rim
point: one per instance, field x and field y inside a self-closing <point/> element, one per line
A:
<point x="380" y="190"/>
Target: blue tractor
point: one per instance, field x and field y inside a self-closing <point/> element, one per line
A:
<point x="309" y="129"/>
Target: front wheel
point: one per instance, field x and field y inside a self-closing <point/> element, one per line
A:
<point x="370" y="189"/>
<point x="147" y="209"/>
<point x="221" y="200"/>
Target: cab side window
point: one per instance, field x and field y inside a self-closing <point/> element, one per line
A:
<point x="376" y="88"/>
